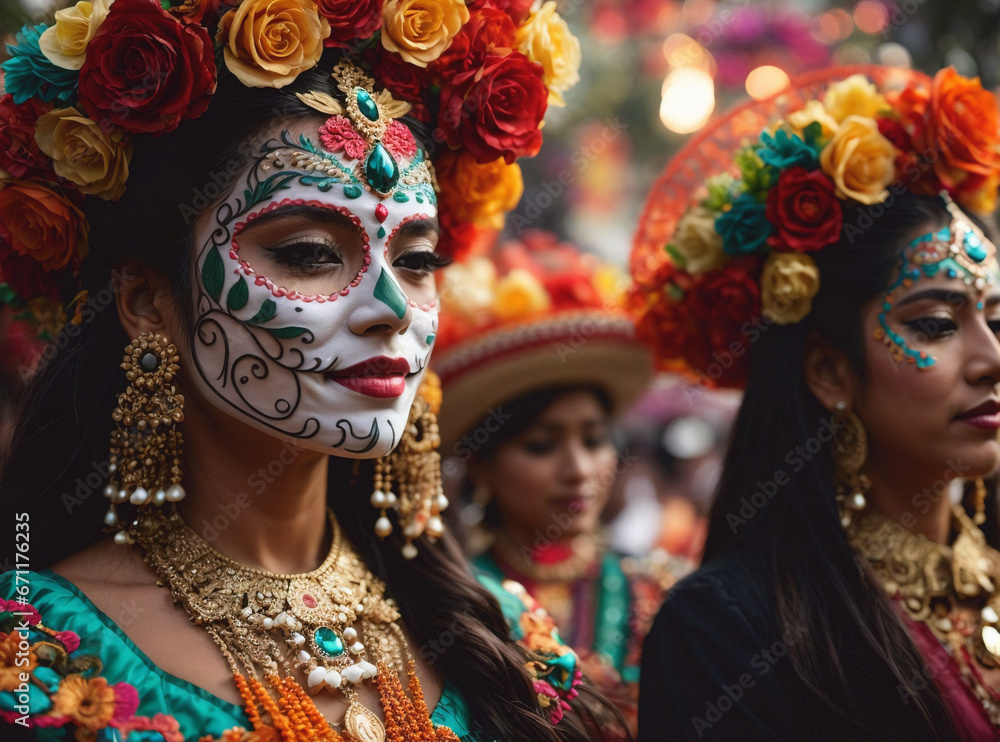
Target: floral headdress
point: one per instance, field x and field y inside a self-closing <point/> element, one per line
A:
<point x="480" y="74"/>
<point x="724" y="244"/>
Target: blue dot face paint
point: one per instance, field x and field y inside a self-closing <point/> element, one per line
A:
<point x="958" y="251"/>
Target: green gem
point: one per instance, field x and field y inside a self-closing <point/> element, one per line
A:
<point x="400" y="198"/>
<point x="381" y="171"/>
<point x="381" y="232"/>
<point x="367" y="105"/>
<point x="430" y="339"/>
<point x="352" y="191"/>
<point x="328" y="641"/>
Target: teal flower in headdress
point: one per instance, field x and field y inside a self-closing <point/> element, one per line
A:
<point x="744" y="228"/>
<point x="784" y="150"/>
<point x="29" y="74"/>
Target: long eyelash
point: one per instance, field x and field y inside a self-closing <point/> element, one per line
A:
<point x="429" y="260"/>
<point x="932" y="327"/>
<point x="305" y="255"/>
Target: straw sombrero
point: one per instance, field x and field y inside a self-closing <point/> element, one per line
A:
<point x="533" y="314"/>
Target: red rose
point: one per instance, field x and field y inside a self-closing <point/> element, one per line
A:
<point x="487" y="29"/>
<point x="351" y="20"/>
<point x="722" y="303"/>
<point x="805" y="211"/>
<point x="25" y="275"/>
<point x="19" y="153"/>
<point x="146" y="71"/>
<point x="404" y="80"/>
<point x="518" y="10"/>
<point x="496" y="110"/>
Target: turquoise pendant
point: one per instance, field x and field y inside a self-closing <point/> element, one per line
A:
<point x="367" y="106"/>
<point x="328" y="641"/>
<point x="381" y="171"/>
<point x="974" y="248"/>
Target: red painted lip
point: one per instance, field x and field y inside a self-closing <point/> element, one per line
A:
<point x="985" y="415"/>
<point x="381" y="377"/>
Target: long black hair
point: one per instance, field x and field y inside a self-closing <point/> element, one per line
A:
<point x="818" y="583"/>
<point x="57" y="466"/>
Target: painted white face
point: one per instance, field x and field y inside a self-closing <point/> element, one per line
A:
<point x="315" y="297"/>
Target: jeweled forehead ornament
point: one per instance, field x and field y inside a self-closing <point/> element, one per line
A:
<point x="364" y="145"/>
<point x="959" y="250"/>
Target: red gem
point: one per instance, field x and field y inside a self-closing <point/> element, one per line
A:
<point x="381" y="213"/>
<point x="309" y="601"/>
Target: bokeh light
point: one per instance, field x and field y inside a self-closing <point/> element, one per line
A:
<point x="688" y="100"/>
<point x="835" y="25"/>
<point x="871" y="16"/>
<point x="765" y="81"/>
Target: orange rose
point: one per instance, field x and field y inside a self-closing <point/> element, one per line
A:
<point x="40" y="224"/>
<point x="860" y="161"/>
<point x="478" y="193"/>
<point x="89" y="703"/>
<point x="420" y="30"/>
<point x="269" y="42"/>
<point x="964" y="127"/>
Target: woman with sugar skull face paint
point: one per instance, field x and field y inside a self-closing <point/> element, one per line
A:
<point x="233" y="531"/>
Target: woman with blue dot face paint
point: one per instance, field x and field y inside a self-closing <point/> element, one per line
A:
<point x="234" y="527"/>
<point x="847" y="591"/>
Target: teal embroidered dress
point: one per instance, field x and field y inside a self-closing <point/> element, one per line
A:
<point x="122" y="696"/>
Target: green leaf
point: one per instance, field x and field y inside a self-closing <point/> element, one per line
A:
<point x="720" y="192"/>
<point x="286" y="332"/>
<point x="267" y="311"/>
<point x="213" y="274"/>
<point x="675" y="255"/>
<point x="238" y="295"/>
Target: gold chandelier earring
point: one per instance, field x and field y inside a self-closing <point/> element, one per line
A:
<point x="145" y="458"/>
<point x="414" y="467"/>
<point x="850" y="450"/>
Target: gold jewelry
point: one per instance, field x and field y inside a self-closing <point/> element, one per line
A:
<point x="145" y="458"/>
<point x="416" y="463"/>
<point x="979" y="502"/>
<point x="332" y="626"/>
<point x="850" y="450"/>
<point x="951" y="589"/>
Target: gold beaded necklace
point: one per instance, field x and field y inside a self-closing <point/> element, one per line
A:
<point x="940" y="586"/>
<point x="334" y="625"/>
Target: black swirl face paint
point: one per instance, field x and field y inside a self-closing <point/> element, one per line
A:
<point x="334" y="370"/>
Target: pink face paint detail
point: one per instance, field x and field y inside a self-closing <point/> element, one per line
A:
<point x="234" y="251"/>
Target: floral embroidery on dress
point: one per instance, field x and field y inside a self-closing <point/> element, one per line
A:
<point x="46" y="682"/>
<point x="553" y="665"/>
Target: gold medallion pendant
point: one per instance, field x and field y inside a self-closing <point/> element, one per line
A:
<point x="363" y="725"/>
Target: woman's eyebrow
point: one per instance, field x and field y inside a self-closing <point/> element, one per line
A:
<point x="946" y="296"/>
<point x="416" y="228"/>
<point x="314" y="213"/>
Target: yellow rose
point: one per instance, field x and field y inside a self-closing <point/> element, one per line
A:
<point x="420" y="30"/>
<point x="481" y="193"/>
<point x="269" y="42"/>
<point x="813" y="111"/>
<point x="65" y="43"/>
<point x="697" y="242"/>
<point x="546" y="39"/>
<point x="468" y="289"/>
<point x="611" y="283"/>
<point x="519" y="294"/>
<point x="84" y="154"/>
<point x="788" y="284"/>
<point x="860" y="161"/>
<point x="855" y="96"/>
